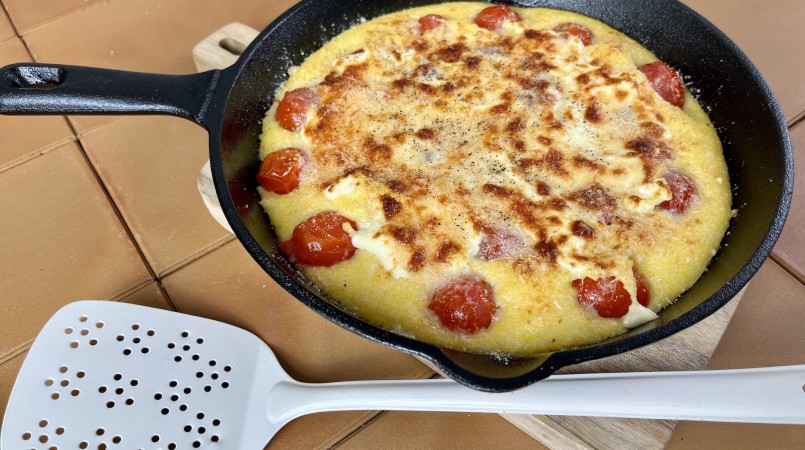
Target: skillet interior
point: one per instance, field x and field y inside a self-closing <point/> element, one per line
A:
<point x="739" y="102"/>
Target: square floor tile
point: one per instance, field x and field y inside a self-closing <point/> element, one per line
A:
<point x="770" y="33"/>
<point x="25" y="136"/>
<point x="227" y="285"/>
<point x="765" y="331"/>
<point x="27" y="14"/>
<point x="144" y="36"/>
<point x="6" y="30"/>
<point x="61" y="241"/>
<point x="790" y="248"/>
<point x="150" y="165"/>
<point x="440" y="430"/>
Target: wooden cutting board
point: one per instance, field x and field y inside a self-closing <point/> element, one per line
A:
<point x="688" y="350"/>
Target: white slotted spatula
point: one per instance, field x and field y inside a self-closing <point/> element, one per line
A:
<point x="106" y="375"/>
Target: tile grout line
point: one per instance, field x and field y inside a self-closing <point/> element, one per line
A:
<point x="37" y="153"/>
<point x="196" y="256"/>
<point x="115" y="208"/>
<point x="787" y="268"/>
<point x="26" y="345"/>
<point x="58" y="18"/>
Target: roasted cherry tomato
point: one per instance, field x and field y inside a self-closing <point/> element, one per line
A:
<point x="643" y="294"/>
<point x="321" y="240"/>
<point x="499" y="244"/>
<point x="292" y="110"/>
<point x="280" y="170"/>
<point x="578" y="30"/>
<point x="465" y="304"/>
<point x="607" y="296"/>
<point x="430" y="22"/>
<point x="666" y="81"/>
<point x="492" y="18"/>
<point x="683" y="192"/>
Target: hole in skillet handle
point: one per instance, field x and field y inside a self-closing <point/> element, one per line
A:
<point x="36" y="77"/>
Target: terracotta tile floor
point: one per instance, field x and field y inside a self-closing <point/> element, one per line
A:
<point x="106" y="207"/>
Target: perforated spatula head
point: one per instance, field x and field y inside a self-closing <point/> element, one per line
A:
<point x="107" y="375"/>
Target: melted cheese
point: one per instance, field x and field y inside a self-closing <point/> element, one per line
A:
<point x="467" y="131"/>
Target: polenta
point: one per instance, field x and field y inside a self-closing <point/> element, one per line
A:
<point x="493" y="179"/>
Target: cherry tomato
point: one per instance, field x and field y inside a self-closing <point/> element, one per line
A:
<point x="292" y="110"/>
<point x="607" y="296"/>
<point x="499" y="244"/>
<point x="492" y="18"/>
<point x="465" y="304"/>
<point x="683" y="192"/>
<point x="666" y="81"/>
<point x="321" y="240"/>
<point x="643" y="293"/>
<point x="430" y="22"/>
<point x="280" y="170"/>
<point x="574" y="29"/>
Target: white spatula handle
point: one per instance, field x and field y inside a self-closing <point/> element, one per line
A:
<point x="764" y="395"/>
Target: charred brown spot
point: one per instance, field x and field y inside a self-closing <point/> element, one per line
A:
<point x="536" y="63"/>
<point x="451" y="53"/>
<point x="496" y="190"/>
<point x="620" y="94"/>
<point x="519" y="146"/>
<point x="426" y="88"/>
<point x="405" y="235"/>
<point x="556" y="204"/>
<point x="426" y="133"/>
<point x="446" y="251"/>
<point x="534" y="85"/>
<point x="553" y="220"/>
<point x="417" y="260"/>
<point x="391" y="206"/>
<point x="592" y="113"/>
<point x="554" y="161"/>
<point x="472" y="62"/>
<point x="543" y="188"/>
<point x="537" y="35"/>
<point x="499" y="109"/>
<point x="585" y="163"/>
<point x="583" y="78"/>
<point x="399" y="137"/>
<point x="595" y="197"/>
<point x="448" y="87"/>
<point x="376" y="150"/>
<point x="351" y="77"/>
<point x="545" y="140"/>
<point x="420" y="45"/>
<point x="396" y="186"/>
<point x="524" y="210"/>
<point x="515" y="126"/>
<point x="582" y="230"/>
<point x="547" y="250"/>
<point x="651" y="150"/>
<point x="527" y="163"/>
<point x="401" y="84"/>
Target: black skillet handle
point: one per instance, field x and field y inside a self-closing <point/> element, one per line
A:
<point x="56" y="89"/>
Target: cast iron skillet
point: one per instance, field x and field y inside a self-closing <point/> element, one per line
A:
<point x="231" y="104"/>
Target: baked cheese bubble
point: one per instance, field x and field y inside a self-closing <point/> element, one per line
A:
<point x="493" y="179"/>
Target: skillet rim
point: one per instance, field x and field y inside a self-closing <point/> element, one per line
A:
<point x="556" y="360"/>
